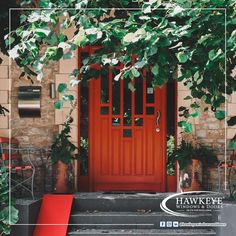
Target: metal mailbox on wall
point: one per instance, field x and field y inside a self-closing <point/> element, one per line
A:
<point x="29" y="101"/>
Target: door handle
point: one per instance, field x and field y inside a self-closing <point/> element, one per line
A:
<point x="158" y="121"/>
<point x="158" y="117"/>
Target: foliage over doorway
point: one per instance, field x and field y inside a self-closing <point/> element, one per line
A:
<point x="196" y="37"/>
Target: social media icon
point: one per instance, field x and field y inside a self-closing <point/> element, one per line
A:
<point x="169" y="224"/>
<point x="175" y="224"/>
<point x="162" y="224"/>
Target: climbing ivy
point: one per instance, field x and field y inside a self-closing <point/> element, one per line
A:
<point x="197" y="38"/>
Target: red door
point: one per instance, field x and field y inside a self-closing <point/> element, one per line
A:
<point x="127" y="134"/>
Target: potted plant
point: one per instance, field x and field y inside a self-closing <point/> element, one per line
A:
<point x="191" y="158"/>
<point x="62" y="153"/>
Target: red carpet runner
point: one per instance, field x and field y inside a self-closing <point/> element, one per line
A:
<point x="54" y="215"/>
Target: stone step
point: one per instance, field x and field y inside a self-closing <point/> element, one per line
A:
<point x="119" y="202"/>
<point x="137" y="220"/>
<point x="157" y="232"/>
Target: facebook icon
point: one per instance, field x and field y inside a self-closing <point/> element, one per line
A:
<point x="162" y="224"/>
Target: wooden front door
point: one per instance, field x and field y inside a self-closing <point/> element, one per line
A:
<point x="127" y="134"/>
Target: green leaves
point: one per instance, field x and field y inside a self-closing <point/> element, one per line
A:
<point x="134" y="37"/>
<point x="204" y="39"/>
<point x="80" y="38"/>
<point x="44" y="3"/>
<point x="195" y="113"/>
<point x="140" y="64"/>
<point x="185" y="152"/>
<point x="135" y="72"/>
<point x="176" y="10"/>
<point x="43" y="32"/>
<point x="58" y="104"/>
<point x="68" y="97"/>
<point x="218" y="2"/>
<point x="93" y="34"/>
<point x="62" y="88"/>
<point x="182" y="57"/>
<point x="131" y="86"/>
<point x="5" y="220"/>
<point x="195" y="105"/>
<point x="74" y="73"/>
<point x="155" y="69"/>
<point x="54" y="53"/>
<point x="187" y="127"/>
<point x="160" y="42"/>
<point x="220" y="115"/>
<point x="213" y="54"/>
<point x="62" y="148"/>
<point x="4" y="215"/>
<point x="25" y="2"/>
<point x="14" y="52"/>
<point x="9" y="41"/>
<point x="158" y="81"/>
<point x="232" y="121"/>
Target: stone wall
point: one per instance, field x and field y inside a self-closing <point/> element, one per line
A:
<point x="65" y="69"/>
<point x="206" y="128"/>
<point x="5" y="84"/>
<point x="210" y="131"/>
<point x="36" y="132"/>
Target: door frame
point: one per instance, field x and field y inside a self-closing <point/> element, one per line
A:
<point x="84" y="181"/>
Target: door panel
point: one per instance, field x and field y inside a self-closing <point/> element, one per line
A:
<point x="127" y="150"/>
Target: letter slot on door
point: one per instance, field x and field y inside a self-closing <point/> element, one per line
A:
<point x="29" y="101"/>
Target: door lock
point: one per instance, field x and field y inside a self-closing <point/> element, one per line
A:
<point x="158" y="130"/>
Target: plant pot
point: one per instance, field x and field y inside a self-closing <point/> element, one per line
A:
<point x="61" y="178"/>
<point x="171" y="183"/>
<point x="191" y="177"/>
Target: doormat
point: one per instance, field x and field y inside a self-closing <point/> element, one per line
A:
<point x="54" y="215"/>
